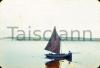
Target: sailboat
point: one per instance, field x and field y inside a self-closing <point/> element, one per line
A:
<point x="54" y="47"/>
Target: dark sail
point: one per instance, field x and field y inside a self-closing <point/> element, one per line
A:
<point x="54" y="43"/>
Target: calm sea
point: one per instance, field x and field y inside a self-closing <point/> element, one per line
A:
<point x="30" y="54"/>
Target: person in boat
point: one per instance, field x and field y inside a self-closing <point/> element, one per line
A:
<point x="69" y="57"/>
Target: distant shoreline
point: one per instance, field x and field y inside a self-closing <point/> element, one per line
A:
<point x="47" y="39"/>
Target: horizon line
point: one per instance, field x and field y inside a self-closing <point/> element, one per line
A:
<point x="47" y="39"/>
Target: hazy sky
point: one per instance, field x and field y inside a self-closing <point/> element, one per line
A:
<point x="45" y="14"/>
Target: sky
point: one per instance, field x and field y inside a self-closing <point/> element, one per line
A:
<point x="45" y="14"/>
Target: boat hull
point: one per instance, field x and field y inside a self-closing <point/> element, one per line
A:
<point x="59" y="56"/>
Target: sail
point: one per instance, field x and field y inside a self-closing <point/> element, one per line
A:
<point x="54" y="43"/>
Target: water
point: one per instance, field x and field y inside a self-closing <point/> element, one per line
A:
<point x="30" y="54"/>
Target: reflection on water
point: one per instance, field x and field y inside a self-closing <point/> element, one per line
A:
<point x="53" y="64"/>
<point x="60" y="64"/>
